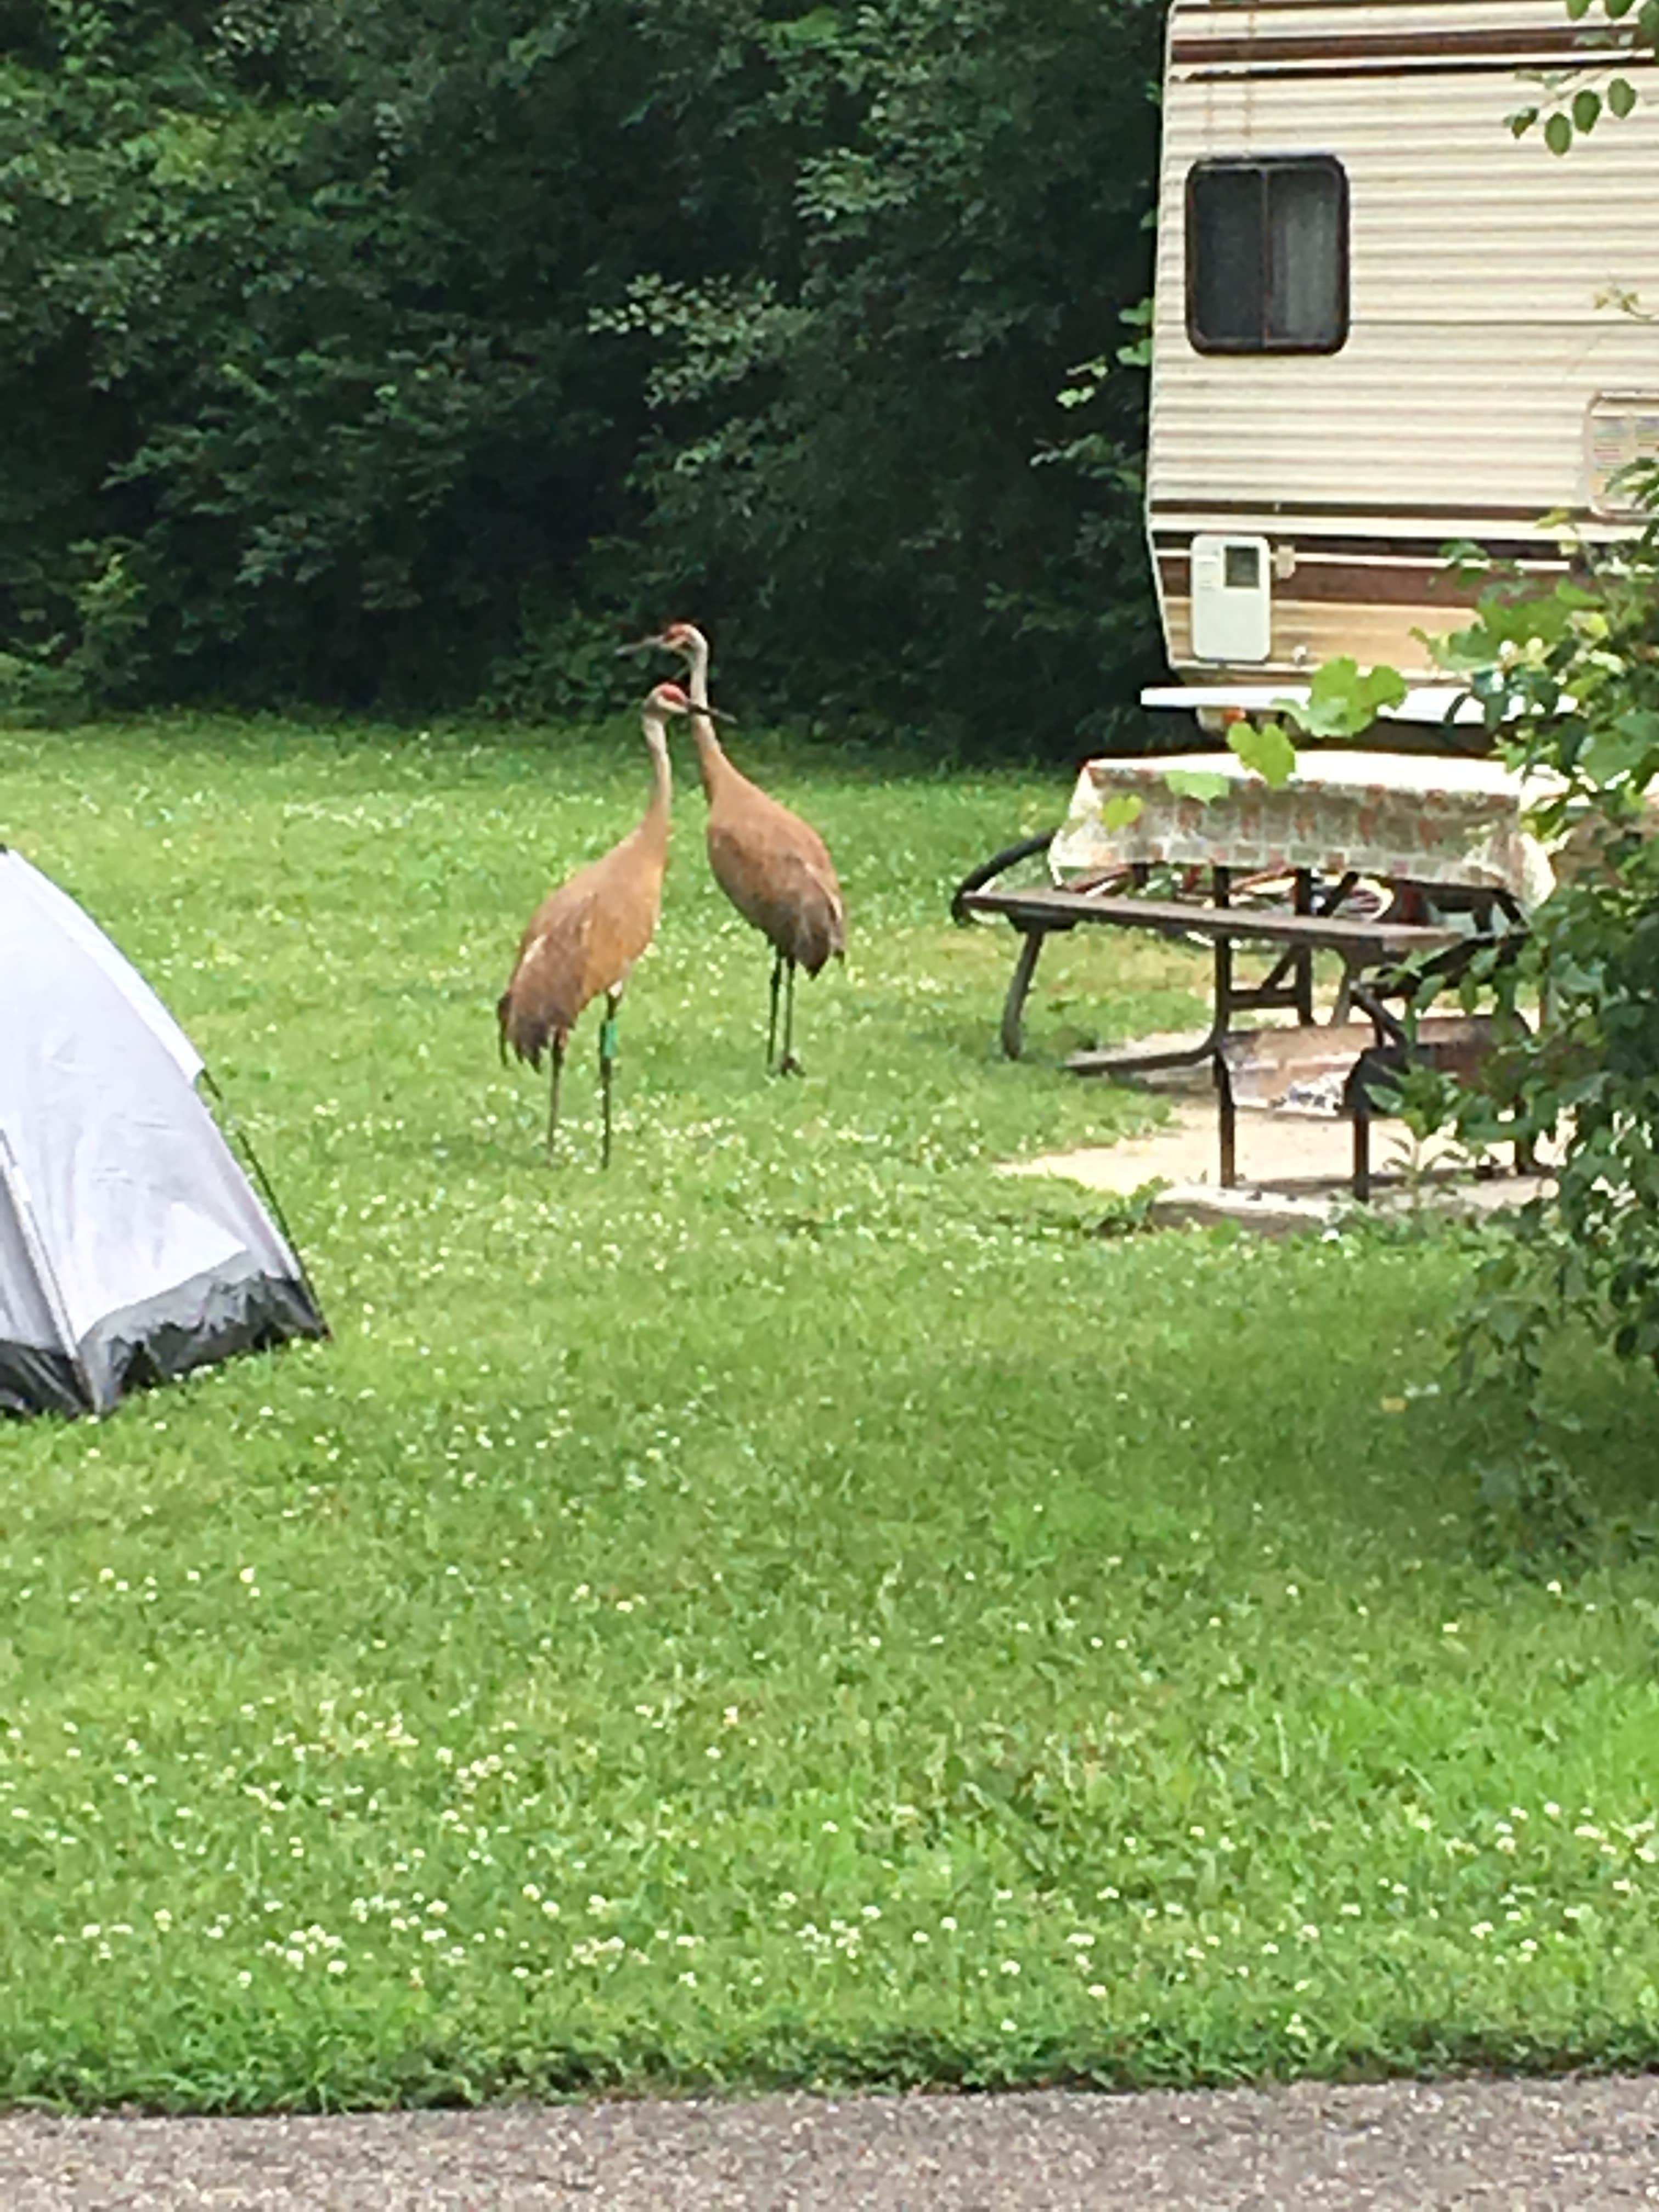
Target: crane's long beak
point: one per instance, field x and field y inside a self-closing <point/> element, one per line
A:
<point x="641" y="645"/>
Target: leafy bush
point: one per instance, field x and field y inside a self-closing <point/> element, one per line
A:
<point x="1571" y="682"/>
<point x="36" y="695"/>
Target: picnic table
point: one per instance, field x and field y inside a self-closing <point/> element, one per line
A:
<point x="1402" y="865"/>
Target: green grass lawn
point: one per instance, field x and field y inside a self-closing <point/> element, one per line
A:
<point x="802" y="1607"/>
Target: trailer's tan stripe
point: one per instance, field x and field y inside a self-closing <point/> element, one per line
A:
<point x="1346" y="583"/>
<point x="1288" y="512"/>
<point x="1411" y="546"/>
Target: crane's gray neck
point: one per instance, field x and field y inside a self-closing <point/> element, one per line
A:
<point x="696" y="681"/>
<point x="662" y="775"/>
<point x="711" y="755"/>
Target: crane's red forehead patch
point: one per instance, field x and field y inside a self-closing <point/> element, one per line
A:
<point x="670" y="695"/>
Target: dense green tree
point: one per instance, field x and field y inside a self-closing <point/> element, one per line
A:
<point x="947" y="206"/>
<point x="392" y="353"/>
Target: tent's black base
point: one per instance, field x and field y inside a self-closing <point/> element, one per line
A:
<point x="200" y="1324"/>
<point x="33" y="1381"/>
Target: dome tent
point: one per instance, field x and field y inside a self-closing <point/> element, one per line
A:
<point x="133" y="1247"/>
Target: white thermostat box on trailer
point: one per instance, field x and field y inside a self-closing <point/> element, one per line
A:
<point x="1232" y="600"/>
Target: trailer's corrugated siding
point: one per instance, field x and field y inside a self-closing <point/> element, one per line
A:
<point x="1481" y="273"/>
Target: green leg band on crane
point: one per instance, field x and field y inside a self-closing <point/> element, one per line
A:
<point x="608" y="1037"/>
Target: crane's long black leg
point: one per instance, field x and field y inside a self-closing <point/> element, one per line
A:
<point x="772" y="1027"/>
<point x="789" y="1064"/>
<point x="553" y="1095"/>
<point x="607" y="1065"/>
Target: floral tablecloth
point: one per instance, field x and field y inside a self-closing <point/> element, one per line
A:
<point x="1402" y="816"/>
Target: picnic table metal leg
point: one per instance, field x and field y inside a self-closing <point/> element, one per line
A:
<point x="1362" y="1151"/>
<point x="1223" y="990"/>
<point x="1303" y="955"/>
<point x="1226" y="1111"/>
<point x="1226" y="1123"/>
<point x="1013" y="1006"/>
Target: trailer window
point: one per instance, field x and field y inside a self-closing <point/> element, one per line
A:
<point x="1267" y="255"/>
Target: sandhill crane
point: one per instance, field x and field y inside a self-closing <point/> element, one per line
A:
<point x="584" y="938"/>
<point x="774" y="867"/>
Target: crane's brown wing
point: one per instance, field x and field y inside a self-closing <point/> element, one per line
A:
<point x="547" y="992"/>
<point x="782" y="881"/>
<point x="582" y="940"/>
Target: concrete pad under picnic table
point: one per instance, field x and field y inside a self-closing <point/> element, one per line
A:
<point x="1294" y="1168"/>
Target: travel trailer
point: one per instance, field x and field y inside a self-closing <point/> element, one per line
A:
<point x="1384" y="324"/>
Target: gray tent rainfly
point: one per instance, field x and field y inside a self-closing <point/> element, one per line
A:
<point x="132" y="1245"/>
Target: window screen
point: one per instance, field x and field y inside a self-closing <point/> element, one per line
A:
<point x="1267" y="255"/>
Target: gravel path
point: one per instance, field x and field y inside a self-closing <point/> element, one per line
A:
<point x="1526" y="2147"/>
